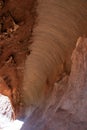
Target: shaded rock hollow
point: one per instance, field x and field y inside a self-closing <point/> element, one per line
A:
<point x="66" y="108"/>
<point x="17" y="23"/>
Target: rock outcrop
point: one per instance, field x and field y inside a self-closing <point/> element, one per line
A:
<point x="66" y="105"/>
<point x="16" y="23"/>
<point x="66" y="109"/>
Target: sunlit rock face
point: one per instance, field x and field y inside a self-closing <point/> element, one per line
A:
<point x="6" y="112"/>
<point x="16" y="125"/>
<point x="7" y="116"/>
<point x="66" y="108"/>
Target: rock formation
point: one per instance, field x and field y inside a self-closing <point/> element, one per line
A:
<point x="16" y="23"/>
<point x="66" y="108"/>
<point x="24" y="22"/>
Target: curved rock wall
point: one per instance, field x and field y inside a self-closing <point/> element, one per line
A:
<point x="66" y="109"/>
<point x="58" y="25"/>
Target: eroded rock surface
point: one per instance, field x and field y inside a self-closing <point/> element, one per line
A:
<point x="16" y="23"/>
<point x="66" y="109"/>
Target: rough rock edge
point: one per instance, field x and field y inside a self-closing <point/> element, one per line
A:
<point x="68" y="111"/>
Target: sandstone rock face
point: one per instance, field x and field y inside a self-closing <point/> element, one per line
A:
<point x="16" y="23"/>
<point x="66" y="109"/>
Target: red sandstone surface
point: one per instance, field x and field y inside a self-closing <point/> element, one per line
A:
<point x="66" y="108"/>
<point x="15" y="30"/>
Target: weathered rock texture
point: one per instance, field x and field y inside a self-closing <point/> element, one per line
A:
<point x="66" y="109"/>
<point x="16" y="21"/>
<point x="59" y="24"/>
